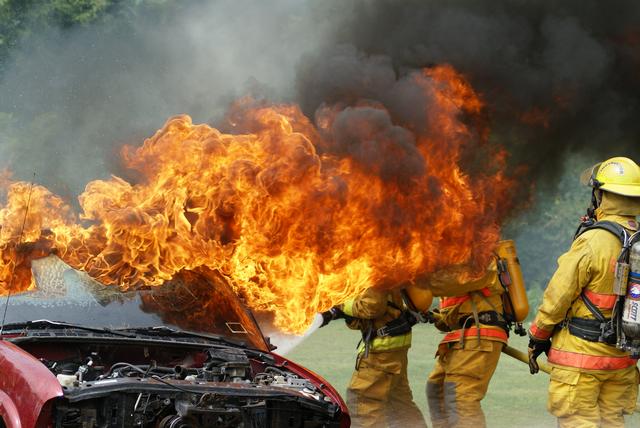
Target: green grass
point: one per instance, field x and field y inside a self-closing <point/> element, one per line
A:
<point x="515" y="398"/>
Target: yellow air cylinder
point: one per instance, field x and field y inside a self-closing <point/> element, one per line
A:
<point x="507" y="251"/>
<point x="421" y="298"/>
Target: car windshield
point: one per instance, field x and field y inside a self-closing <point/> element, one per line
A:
<point x="197" y="302"/>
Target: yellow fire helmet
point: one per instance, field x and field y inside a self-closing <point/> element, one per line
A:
<point x="617" y="175"/>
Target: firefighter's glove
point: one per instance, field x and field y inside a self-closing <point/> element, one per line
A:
<point x="537" y="347"/>
<point x="332" y="314"/>
<point x="436" y="318"/>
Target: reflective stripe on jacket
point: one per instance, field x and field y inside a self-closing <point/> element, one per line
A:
<point x="388" y="343"/>
<point x="374" y="309"/>
<point x="446" y="302"/>
<point x="589" y="362"/>
<point x="486" y="332"/>
<point x="588" y="266"/>
<point x="485" y="294"/>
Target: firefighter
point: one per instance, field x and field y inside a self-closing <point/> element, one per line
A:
<point x="593" y="383"/>
<point x="468" y="355"/>
<point x="379" y="394"/>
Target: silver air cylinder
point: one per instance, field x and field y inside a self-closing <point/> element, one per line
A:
<point x="631" y="312"/>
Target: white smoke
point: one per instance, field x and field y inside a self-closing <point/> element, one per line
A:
<point x="69" y="99"/>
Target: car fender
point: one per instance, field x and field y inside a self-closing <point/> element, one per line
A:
<point x="25" y="386"/>
<point x="9" y="412"/>
<point x="319" y="382"/>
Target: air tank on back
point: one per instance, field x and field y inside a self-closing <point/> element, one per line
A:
<point x="631" y="312"/>
<point x="518" y="304"/>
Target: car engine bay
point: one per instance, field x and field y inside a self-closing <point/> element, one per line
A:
<point x="173" y="387"/>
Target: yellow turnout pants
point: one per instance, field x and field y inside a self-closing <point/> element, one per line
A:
<point x="459" y="381"/>
<point x="582" y="399"/>
<point x="379" y="394"/>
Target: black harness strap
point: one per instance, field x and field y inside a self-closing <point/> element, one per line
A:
<point x="601" y="329"/>
<point x="487" y="318"/>
<point x="592" y="330"/>
<point x="593" y="308"/>
<point x="625" y="239"/>
<point x="397" y="326"/>
<point x="609" y="226"/>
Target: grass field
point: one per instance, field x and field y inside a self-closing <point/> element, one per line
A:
<point x="515" y="398"/>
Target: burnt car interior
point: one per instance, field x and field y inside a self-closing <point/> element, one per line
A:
<point x="183" y="354"/>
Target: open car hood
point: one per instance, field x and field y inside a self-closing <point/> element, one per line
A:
<point x="195" y="301"/>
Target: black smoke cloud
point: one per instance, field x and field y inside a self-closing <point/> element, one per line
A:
<point x="557" y="77"/>
<point x="561" y="82"/>
<point x="368" y="136"/>
<point x="345" y="75"/>
<point x="381" y="138"/>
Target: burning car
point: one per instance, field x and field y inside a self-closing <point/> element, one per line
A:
<point x="77" y="353"/>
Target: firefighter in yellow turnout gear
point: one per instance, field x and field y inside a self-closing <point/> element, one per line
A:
<point x="379" y="394"/>
<point x="593" y="383"/>
<point x="468" y="355"/>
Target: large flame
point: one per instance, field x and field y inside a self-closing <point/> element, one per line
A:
<point x="298" y="217"/>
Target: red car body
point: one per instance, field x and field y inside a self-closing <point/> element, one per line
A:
<point x="28" y="388"/>
<point x="32" y="395"/>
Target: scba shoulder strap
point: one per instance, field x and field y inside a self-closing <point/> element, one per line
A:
<point x="609" y="226"/>
<point x="605" y="329"/>
<point x="626" y="239"/>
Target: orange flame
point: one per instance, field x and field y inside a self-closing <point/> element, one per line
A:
<point x="294" y="220"/>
